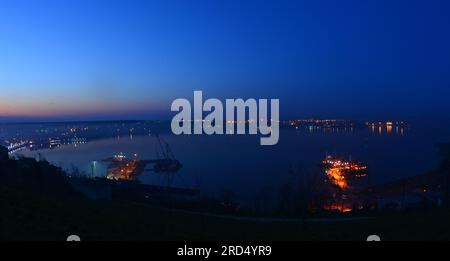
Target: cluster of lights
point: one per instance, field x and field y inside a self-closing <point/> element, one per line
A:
<point x="337" y="170"/>
<point x="17" y="146"/>
<point x="387" y="123"/>
<point x="339" y="207"/>
<point x="124" y="171"/>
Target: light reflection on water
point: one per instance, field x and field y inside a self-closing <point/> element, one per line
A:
<point x="239" y="164"/>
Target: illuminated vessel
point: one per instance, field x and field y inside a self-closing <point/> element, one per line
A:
<point x="343" y="173"/>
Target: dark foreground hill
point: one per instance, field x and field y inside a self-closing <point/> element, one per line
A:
<point x="37" y="203"/>
<point x="28" y="217"/>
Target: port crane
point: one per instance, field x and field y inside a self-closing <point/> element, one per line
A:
<point x="168" y="163"/>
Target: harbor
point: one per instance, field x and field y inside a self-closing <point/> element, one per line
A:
<point x="346" y="174"/>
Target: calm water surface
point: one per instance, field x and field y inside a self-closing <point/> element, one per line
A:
<point x="238" y="163"/>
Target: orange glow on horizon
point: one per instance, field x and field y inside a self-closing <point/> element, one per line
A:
<point x="72" y="108"/>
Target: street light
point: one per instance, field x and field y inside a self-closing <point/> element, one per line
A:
<point x="93" y="168"/>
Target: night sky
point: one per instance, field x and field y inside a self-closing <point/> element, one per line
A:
<point x="104" y="59"/>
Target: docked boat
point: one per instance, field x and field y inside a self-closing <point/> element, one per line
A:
<point x="343" y="173"/>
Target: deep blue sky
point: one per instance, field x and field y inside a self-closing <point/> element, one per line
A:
<point x="98" y="59"/>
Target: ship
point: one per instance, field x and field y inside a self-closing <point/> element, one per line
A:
<point x="122" y="168"/>
<point x="344" y="173"/>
